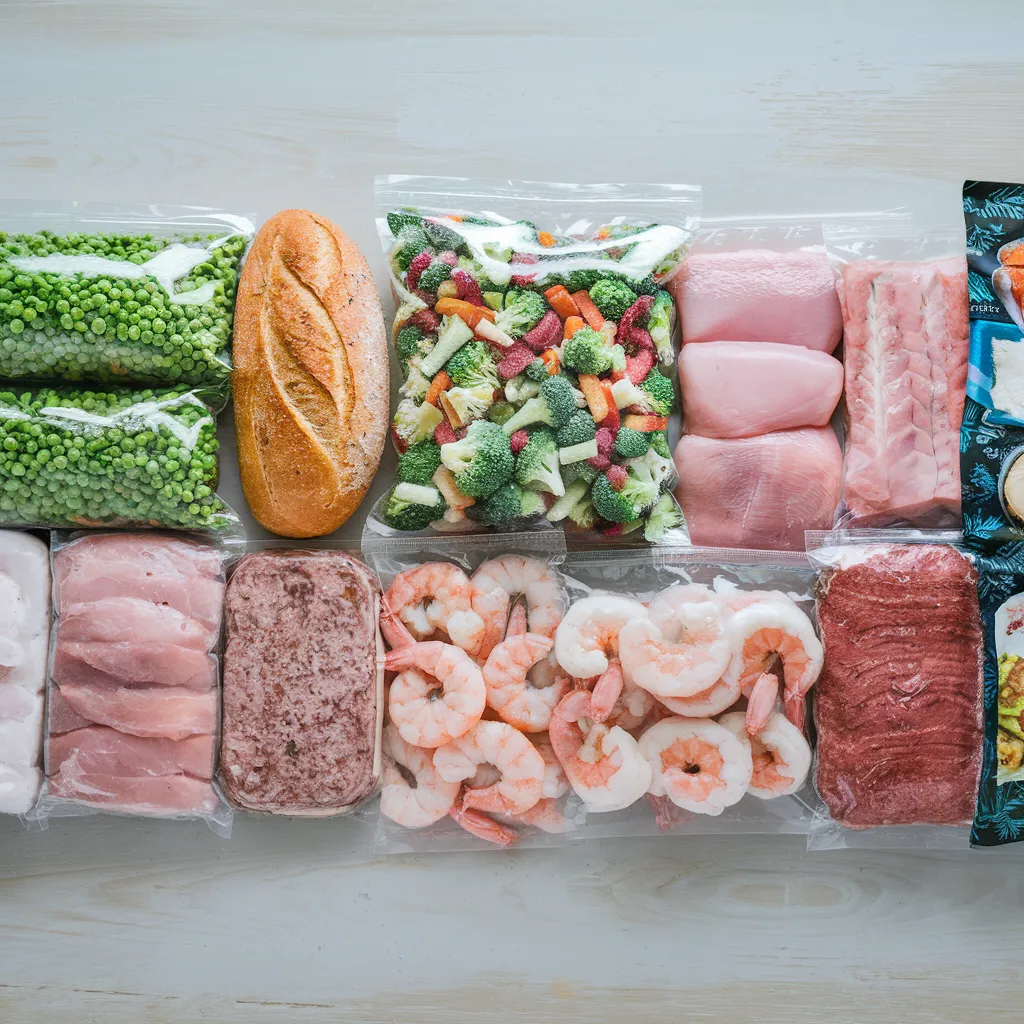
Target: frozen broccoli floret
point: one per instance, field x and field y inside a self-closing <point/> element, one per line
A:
<point x="533" y="503"/>
<point x="487" y="284"/>
<point x="451" y="336"/>
<point x="469" y="403"/>
<point x="505" y="505"/>
<point x="588" y="352"/>
<point x="554" y="406"/>
<point x="644" y="286"/>
<point x="473" y="366"/>
<point x="398" y="219"/>
<point x="521" y="312"/>
<point x="579" y="471"/>
<point x="665" y="516"/>
<point x="612" y="298"/>
<point x="410" y="243"/>
<point x="414" y="422"/>
<point x="411" y="342"/>
<point x="661" y="395"/>
<point x="651" y="471"/>
<point x="416" y="385"/>
<point x="482" y="461"/>
<point x="615" y="506"/>
<point x="579" y="429"/>
<point x="431" y="278"/>
<point x="659" y="442"/>
<point x="537" y="463"/>
<point x="582" y="513"/>
<point x="640" y="489"/>
<point x="537" y="371"/>
<point x="412" y="507"/>
<point x="631" y="444"/>
<point x="444" y="238"/>
<point x="501" y="412"/>
<point x="418" y="463"/>
<point x="659" y="326"/>
<point x="584" y="280"/>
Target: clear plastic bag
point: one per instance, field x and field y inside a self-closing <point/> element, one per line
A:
<point x="104" y="293"/>
<point x="303" y="681"/>
<point x="70" y="459"/>
<point x="133" y="701"/>
<point x="24" y="637"/>
<point x="904" y="296"/>
<point x="486" y="298"/>
<point x="437" y="572"/>
<point x="898" y="707"/>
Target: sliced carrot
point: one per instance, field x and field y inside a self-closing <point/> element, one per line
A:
<point x="455" y="217"/>
<point x="593" y="392"/>
<point x="465" y="311"/>
<point x="561" y="301"/>
<point x="546" y="239"/>
<point x="644" y="424"/>
<point x="589" y="311"/>
<point x="572" y="325"/>
<point x="442" y="382"/>
<point x="444" y="481"/>
<point x="551" y="360"/>
<point x="613" y="420"/>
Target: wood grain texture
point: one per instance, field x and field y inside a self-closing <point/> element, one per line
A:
<point x="259" y="106"/>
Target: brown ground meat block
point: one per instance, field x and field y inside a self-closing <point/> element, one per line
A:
<point x="301" y="683"/>
<point x="898" y="705"/>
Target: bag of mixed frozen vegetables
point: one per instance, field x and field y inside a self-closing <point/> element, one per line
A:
<point x="110" y="458"/>
<point x="535" y="340"/>
<point x="106" y="294"/>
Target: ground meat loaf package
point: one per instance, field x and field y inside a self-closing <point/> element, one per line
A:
<point x="898" y="708"/>
<point x="534" y="337"/>
<point x="133" y="698"/>
<point x="472" y="684"/>
<point x="905" y="349"/>
<point x="100" y="293"/>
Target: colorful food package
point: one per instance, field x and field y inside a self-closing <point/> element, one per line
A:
<point x="536" y="354"/>
<point x="116" y="458"/>
<point x="99" y="293"/>
<point x="133" y="698"/>
<point x="898" y="708"/>
<point x="303" y="683"/>
<point x="905" y="350"/>
<point x="24" y="636"/>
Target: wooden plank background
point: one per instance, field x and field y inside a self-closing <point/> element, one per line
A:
<point x="256" y="106"/>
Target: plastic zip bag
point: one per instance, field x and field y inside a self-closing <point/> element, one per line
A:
<point x="434" y="599"/>
<point x="543" y="342"/>
<point x="119" y="458"/>
<point x="133" y="701"/>
<point x="898" y="707"/>
<point x="107" y="293"/>
<point x="904" y="297"/>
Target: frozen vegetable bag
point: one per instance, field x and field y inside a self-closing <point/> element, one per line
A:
<point x="535" y="340"/>
<point x="101" y="293"/>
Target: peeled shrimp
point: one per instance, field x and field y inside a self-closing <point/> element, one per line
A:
<point x="780" y="751"/>
<point x="773" y="631"/>
<point x="699" y="765"/>
<point x="521" y="767"/>
<point x="480" y="825"/>
<point x="499" y="581"/>
<point x="603" y="764"/>
<point x="423" y="717"/>
<point x="590" y="631"/>
<point x="684" y="656"/>
<point x="706" y="704"/>
<point x="437" y="596"/>
<point x="412" y="794"/>
<point x="509" y="689"/>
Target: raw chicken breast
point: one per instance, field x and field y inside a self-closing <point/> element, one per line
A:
<point x="760" y="295"/>
<point x="123" y="619"/>
<point x="169" y="711"/>
<point x="746" y="388"/>
<point x="132" y="662"/>
<point x="160" y="555"/>
<point x="759" y="492"/>
<point x="19" y="787"/>
<point x="148" y="795"/>
<point x="906" y="350"/>
<point x="109" y="752"/>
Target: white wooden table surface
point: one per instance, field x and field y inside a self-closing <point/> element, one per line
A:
<point x="257" y="106"/>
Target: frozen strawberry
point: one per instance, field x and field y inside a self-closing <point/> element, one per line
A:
<point x="638" y="366"/>
<point x="469" y="290"/>
<point x="419" y="263"/>
<point x="518" y="441"/>
<point x="443" y="433"/>
<point x="517" y="358"/>
<point x="636" y="314"/>
<point x="448" y="257"/>
<point x="522" y="276"/>
<point x="426" y="320"/>
<point x="617" y="477"/>
<point x="600" y="462"/>
<point x="605" y="441"/>
<point x="546" y="333"/>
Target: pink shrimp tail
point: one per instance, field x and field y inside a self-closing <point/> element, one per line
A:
<point x="393" y="628"/>
<point x="606" y="692"/>
<point x="666" y="814"/>
<point x="517" y="623"/>
<point x="761" y="702"/>
<point x="481" y="826"/>
<point x="794" y="706"/>
<point x="546" y="816"/>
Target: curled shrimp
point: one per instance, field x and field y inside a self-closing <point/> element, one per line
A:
<point x="521" y="779"/>
<point x="710" y="702"/>
<point x="480" y="825"/>
<point x="603" y="763"/>
<point x="439" y="693"/>
<point x="509" y="690"/>
<point x="780" y="752"/>
<point x="589" y="632"/>
<point x="412" y="794"/>
<point x="438" y="597"/>
<point x="699" y="765"/>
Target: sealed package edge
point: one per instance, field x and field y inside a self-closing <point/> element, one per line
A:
<point x="105" y="294"/>
<point x="536" y="353"/>
<point x="132" y="709"/>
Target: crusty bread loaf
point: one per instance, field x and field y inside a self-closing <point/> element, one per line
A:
<point x="311" y="376"/>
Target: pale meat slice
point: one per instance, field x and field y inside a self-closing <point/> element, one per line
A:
<point x="62" y="717"/>
<point x="116" y="664"/>
<point x="169" y="711"/>
<point x="97" y="749"/>
<point x="746" y="388"/>
<point x="149" y="795"/>
<point x="905" y="352"/>
<point x="19" y="786"/>
<point x="125" y="619"/>
<point x="159" y="554"/>
<point x="759" y="492"/>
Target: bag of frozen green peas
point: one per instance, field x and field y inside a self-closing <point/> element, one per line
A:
<point x="96" y="294"/>
<point x="121" y="458"/>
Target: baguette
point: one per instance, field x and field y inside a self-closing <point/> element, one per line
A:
<point x="310" y="382"/>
